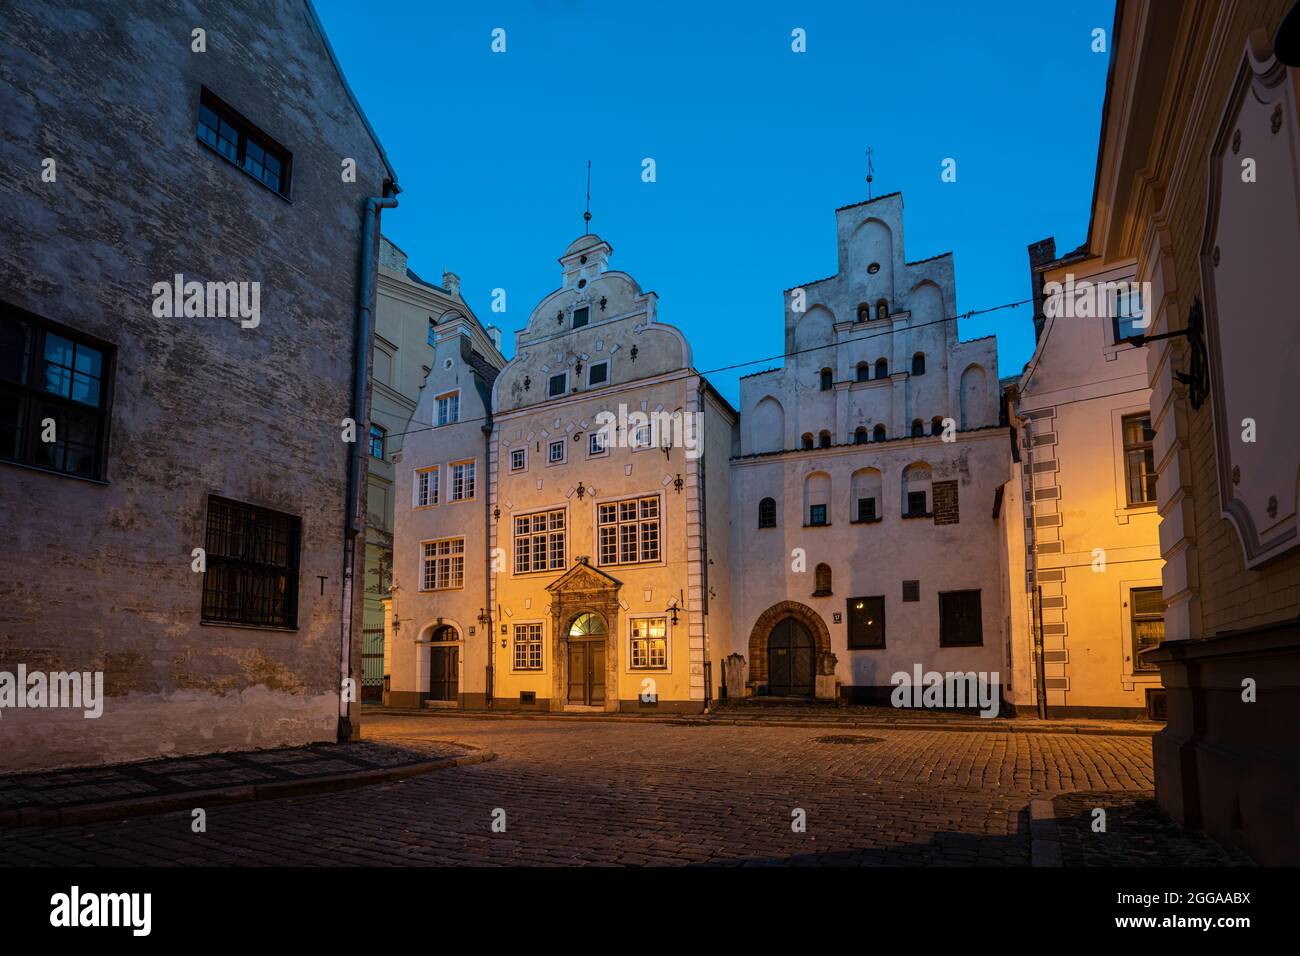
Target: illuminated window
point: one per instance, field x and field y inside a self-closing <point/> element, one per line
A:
<point x="1147" y="616"/>
<point x="629" y="531"/>
<point x="1139" y="459"/>
<point x="444" y="565"/>
<point x="539" y="541"/>
<point x="528" y="647"/>
<point x="866" y="619"/>
<point x="649" y="643"/>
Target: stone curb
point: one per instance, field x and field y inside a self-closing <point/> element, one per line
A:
<point x="1044" y="835"/>
<point x="980" y="726"/>
<point x="222" y="796"/>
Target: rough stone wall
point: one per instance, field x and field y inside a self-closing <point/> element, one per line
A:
<point x="96" y="576"/>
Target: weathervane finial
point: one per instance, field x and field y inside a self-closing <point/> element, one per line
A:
<point x="871" y="172"/>
<point x="586" y="216"/>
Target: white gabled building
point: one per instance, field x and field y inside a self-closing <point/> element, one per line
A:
<point x="869" y="542"/>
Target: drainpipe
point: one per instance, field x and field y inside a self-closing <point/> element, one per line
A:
<point x="356" y="461"/>
<point x="1036" y="602"/>
<point x="489" y="699"/>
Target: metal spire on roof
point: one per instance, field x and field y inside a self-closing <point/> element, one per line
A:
<point x="871" y="171"/>
<point x="586" y="216"/>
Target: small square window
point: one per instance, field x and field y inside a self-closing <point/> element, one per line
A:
<point x="596" y="443"/>
<point x="915" y="504"/>
<point x="866" y="509"/>
<point x="911" y="591"/>
<point x="598" y="374"/>
<point x="816" y="514"/>
<point x="581" y="317"/>
<point x="555" y="452"/>
<point x="518" y="459"/>
<point x="559" y="384"/>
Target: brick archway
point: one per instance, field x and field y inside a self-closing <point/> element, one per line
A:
<point x="763" y="629"/>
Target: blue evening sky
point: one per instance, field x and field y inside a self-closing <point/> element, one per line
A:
<point x="755" y="146"/>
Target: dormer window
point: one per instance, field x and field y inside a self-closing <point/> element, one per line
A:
<point x="581" y="317"/>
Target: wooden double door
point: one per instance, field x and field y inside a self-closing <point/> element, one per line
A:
<point x="587" y="672"/>
<point x="791" y="660"/>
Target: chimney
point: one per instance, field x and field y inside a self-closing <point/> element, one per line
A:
<point x="451" y="282"/>
<point x="1040" y="254"/>
<point x="495" y="335"/>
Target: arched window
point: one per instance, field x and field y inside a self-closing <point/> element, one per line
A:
<point x="860" y="435"/>
<point x="587" y="624"/>
<point x="824" y="439"/>
<point x="882" y="309"/>
<point x="878" y="433"/>
<point x="767" y="426"/>
<point x="807" y="440"/>
<point x="822" y="577"/>
<point x="918" y="363"/>
<point x="882" y="368"/>
<point x="863" y="372"/>
<point x="918" y="428"/>
<point x="767" y="513"/>
<point x="827" y="380"/>
<point x="817" y="499"/>
<point x="936" y="425"/>
<point x="864" y="312"/>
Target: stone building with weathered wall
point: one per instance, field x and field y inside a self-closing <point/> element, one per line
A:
<point x="134" y="157"/>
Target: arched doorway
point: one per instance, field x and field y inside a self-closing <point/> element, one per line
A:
<point x="444" y="664"/>
<point x="587" y="660"/>
<point x="768" y="623"/>
<point x="791" y="660"/>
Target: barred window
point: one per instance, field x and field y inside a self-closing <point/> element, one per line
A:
<point x="539" y="541"/>
<point x="426" y="487"/>
<point x="767" y="513"/>
<point x="444" y="564"/>
<point x="649" y="642"/>
<point x="251" y="574"/>
<point x="462" y="481"/>
<point x="629" y="531"/>
<point x="528" y="647"/>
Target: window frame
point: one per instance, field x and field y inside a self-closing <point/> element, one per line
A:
<point x="764" y="519"/>
<point x="550" y="384"/>
<point x="515" y="645"/>
<point x="640" y="521"/>
<point x="246" y="130"/>
<point x="521" y="450"/>
<point x="632" y="640"/>
<point x="592" y="436"/>
<point x="30" y="396"/>
<point x="545" y="534"/>
<point x="825" y="514"/>
<point x="1147" y="445"/>
<point x="452" y="497"/>
<point x="944" y="639"/>
<point x="586" y="321"/>
<point x="449" y="397"/>
<point x="434" y="485"/>
<point x="449" y="557"/>
<point x="591" y="368"/>
<point x="1135" y="663"/>
<point x="850" y="614"/>
<point x="383" y="441"/>
<point x="1117" y="318"/>
<point x="875" y="513"/>
<point x="564" y="452"/>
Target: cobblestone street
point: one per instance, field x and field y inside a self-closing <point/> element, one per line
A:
<point x="578" y="792"/>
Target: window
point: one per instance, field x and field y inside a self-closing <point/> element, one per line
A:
<point x="252" y="566"/>
<point x="866" y="622"/>
<point x="860" y="435"/>
<point x="767" y="513"/>
<point x="807" y="440"/>
<point x="866" y="509"/>
<point x="827" y="380"/>
<point x="882" y="309"/>
<point x="1147" y="616"/>
<point x="462" y="481"/>
<point x="918" y="363"/>
<point x="817" y="515"/>
<point x="863" y="372"/>
<point x="882" y="368"/>
<point x="916" y="504"/>
<point x="822" y="579"/>
<point x="959" y="619"/>
<point x="555" y="452"/>
<point x="377" y="437"/>
<point x="824" y="439"/>
<point x="1139" y="459"/>
<point x="237" y="140"/>
<point x="559" y="384"/>
<point x="48" y="373"/>
<point x="642" y="437"/>
<point x="518" y="459"/>
<point x="918" y="428"/>
<point x="598" y="374"/>
<point x="539" y="541"/>
<point x="629" y="531"/>
<point x="449" y="408"/>
<point x="649" y="643"/>
<point x="528" y="647"/>
<point x="878" y="433"/>
<point x="444" y="565"/>
<point x="911" y="591"/>
<point x="596" y="444"/>
<point x="426" y="487"/>
<point x="433" y="333"/>
<point x="581" y="317"/>
<point x="864" y="313"/>
<point x="1130" y="316"/>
